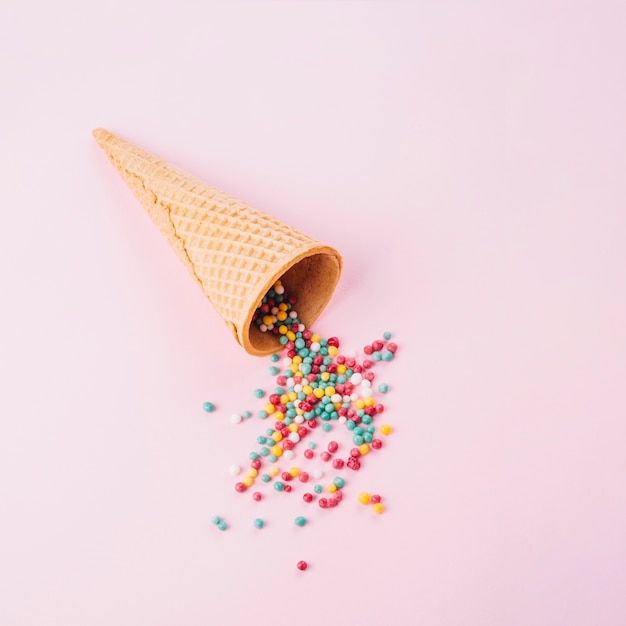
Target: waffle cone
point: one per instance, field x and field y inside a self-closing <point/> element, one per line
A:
<point x="234" y="252"/>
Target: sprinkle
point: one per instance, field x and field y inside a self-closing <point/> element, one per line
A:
<point x="258" y="393"/>
<point x="302" y="565"/>
<point x="300" y="521"/>
<point x="258" y="523"/>
<point x="364" y="497"/>
<point x="209" y="407"/>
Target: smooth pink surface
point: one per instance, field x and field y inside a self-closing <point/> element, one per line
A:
<point x="468" y="161"/>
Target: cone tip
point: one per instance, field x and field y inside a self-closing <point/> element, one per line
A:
<point x="100" y="135"/>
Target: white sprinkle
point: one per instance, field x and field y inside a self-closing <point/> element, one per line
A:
<point x="235" y="418"/>
<point x="279" y="289"/>
<point x="356" y="378"/>
<point x="263" y="328"/>
<point x="335" y="398"/>
<point x="301" y="328"/>
<point x="317" y="474"/>
<point x="298" y="419"/>
<point x="286" y="362"/>
<point x="353" y="397"/>
<point x="295" y="437"/>
<point x="288" y="454"/>
<point x="234" y="470"/>
<point x="297" y="388"/>
<point x="315" y="346"/>
<point x="293" y="315"/>
<point x="342" y="419"/>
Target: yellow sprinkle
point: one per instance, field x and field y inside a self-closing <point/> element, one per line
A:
<point x="293" y="427"/>
<point x="273" y="470"/>
<point x="325" y="376"/>
<point x="276" y="451"/>
<point x="364" y="448"/>
<point x="318" y="392"/>
<point x="297" y="359"/>
<point x="252" y="472"/>
<point x="247" y="481"/>
<point x="378" y="508"/>
<point x="307" y="389"/>
<point x="269" y="408"/>
<point x="277" y="436"/>
<point x="369" y="401"/>
<point x="282" y="329"/>
<point x="291" y="335"/>
<point x="332" y="351"/>
<point x="294" y="471"/>
<point x="364" y="497"/>
<point x="282" y="306"/>
<point x="385" y="429"/>
<point x="329" y="391"/>
<point x="331" y="488"/>
<point x="359" y="404"/>
<point x="281" y="316"/>
<point x="293" y="396"/>
<point x="315" y="338"/>
<point x="341" y="369"/>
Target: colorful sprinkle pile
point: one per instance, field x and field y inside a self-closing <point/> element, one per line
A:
<point x="316" y="386"/>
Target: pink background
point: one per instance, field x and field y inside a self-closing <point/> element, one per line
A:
<point x="468" y="161"/>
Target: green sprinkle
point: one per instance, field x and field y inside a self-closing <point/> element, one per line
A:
<point x="222" y="526"/>
<point x="278" y="486"/>
<point x="273" y="370"/>
<point x="317" y="488"/>
<point x="258" y="523"/>
<point x="383" y="387"/>
<point x="300" y="521"/>
<point x="209" y="407"/>
<point x="387" y="335"/>
<point x="259" y="393"/>
<point x="339" y="482"/>
<point x="216" y="519"/>
<point x="266" y="478"/>
<point x="326" y="427"/>
<point x="274" y="358"/>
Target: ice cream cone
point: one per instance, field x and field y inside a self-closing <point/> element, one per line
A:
<point x="235" y="252"/>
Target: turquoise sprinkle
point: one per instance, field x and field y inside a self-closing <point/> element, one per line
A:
<point x="278" y="486"/>
<point x="271" y="458"/>
<point x="269" y="432"/>
<point x="367" y="437"/>
<point x="326" y="427"/>
<point x="246" y="414"/>
<point x="387" y="355"/>
<point x="383" y="387"/>
<point x="300" y="521"/>
<point x="266" y="478"/>
<point x="339" y="482"/>
<point x="376" y="356"/>
<point x="358" y="430"/>
<point x="283" y="340"/>
<point x="299" y="343"/>
<point x="357" y="440"/>
<point x="261" y="414"/>
<point x="258" y="393"/>
<point x="260" y="439"/>
<point x="366" y="419"/>
<point x="222" y="526"/>
<point x="258" y="523"/>
<point x="216" y="519"/>
<point x="274" y="358"/>
<point x="209" y="407"/>
<point x="317" y="488"/>
<point x="350" y="424"/>
<point x="311" y="445"/>
<point x="253" y="456"/>
<point x="387" y="335"/>
<point x="264" y="451"/>
<point x="273" y="370"/>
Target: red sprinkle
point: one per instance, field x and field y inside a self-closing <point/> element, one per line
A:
<point x="302" y="565"/>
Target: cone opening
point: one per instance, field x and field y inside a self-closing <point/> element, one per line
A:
<point x="312" y="280"/>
